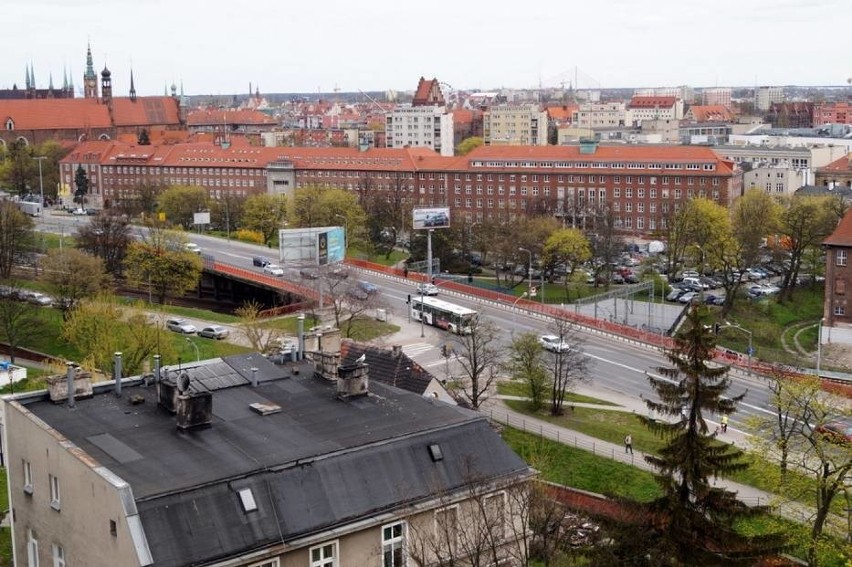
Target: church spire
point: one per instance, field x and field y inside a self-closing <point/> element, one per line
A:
<point x="90" y="79"/>
<point x="50" y="83"/>
<point x="132" y="87"/>
<point x="27" y="79"/>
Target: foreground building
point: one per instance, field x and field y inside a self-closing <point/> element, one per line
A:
<point x="836" y="325"/>
<point x="240" y="462"/>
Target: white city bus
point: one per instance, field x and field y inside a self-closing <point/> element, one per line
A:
<point x="443" y="314"/>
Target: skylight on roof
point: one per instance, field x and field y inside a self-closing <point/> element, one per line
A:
<point x="247" y="500"/>
<point x="436" y="453"/>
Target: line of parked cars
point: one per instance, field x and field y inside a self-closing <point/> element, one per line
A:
<point x="21" y="294"/>
<point x="182" y="326"/>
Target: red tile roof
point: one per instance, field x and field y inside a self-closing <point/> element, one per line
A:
<point x="55" y="114"/>
<point x="146" y="110"/>
<point x="428" y="92"/>
<point x="208" y="117"/>
<point x="711" y="112"/>
<point x="842" y="235"/>
<point x="652" y="102"/>
<point x="563" y="113"/>
<point x="842" y="164"/>
<point x="462" y="116"/>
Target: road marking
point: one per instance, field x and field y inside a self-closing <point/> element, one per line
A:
<point x="414" y="349"/>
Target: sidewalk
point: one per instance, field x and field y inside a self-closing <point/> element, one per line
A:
<point x="496" y="410"/>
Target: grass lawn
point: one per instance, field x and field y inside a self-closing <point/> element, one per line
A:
<point x="396" y="256"/>
<point x="191" y="312"/>
<point x="515" y="388"/>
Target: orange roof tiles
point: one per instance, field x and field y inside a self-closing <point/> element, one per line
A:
<point x="652" y="102"/>
<point x="712" y="112"/>
<point x="563" y="113"/>
<point x="55" y="114"/>
<point x="217" y="117"/>
<point x="842" y="235"/>
<point x="842" y="164"/>
<point x="145" y="110"/>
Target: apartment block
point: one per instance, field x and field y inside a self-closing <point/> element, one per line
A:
<point x="420" y="126"/>
<point x="597" y="115"/>
<point x="515" y="125"/>
<point x="765" y="96"/>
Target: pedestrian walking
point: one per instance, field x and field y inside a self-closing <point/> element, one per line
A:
<point x="628" y="444"/>
<point x="724" y="423"/>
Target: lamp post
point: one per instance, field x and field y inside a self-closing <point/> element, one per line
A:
<point x="40" y="159"/>
<point x="819" y="346"/>
<point x="345" y="230"/>
<point x="529" y="271"/>
<point x="750" y="338"/>
<point x="197" y="353"/>
<point x="514" y="315"/>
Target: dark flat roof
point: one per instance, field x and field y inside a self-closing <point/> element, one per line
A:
<point x="319" y="462"/>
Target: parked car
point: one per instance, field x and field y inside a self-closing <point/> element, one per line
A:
<point x="714" y="300"/>
<point x="180" y="326"/>
<point x="553" y="344"/>
<point x="79" y="212"/>
<point x="675" y="293"/>
<point x="427" y="289"/>
<point x="273" y="269"/>
<point x="39" y="298"/>
<point x="214" y="332"/>
<point x="838" y="430"/>
<point x="309" y="274"/>
<point x="688" y="297"/>
<point x="260" y="261"/>
<point x="339" y="272"/>
<point x="192" y="247"/>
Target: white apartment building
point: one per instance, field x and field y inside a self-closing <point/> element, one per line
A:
<point x="601" y="115"/>
<point x="683" y="92"/>
<point x="776" y="181"/>
<point x="642" y="108"/>
<point x="420" y="126"/>
<point x="515" y="125"/>
<point x="765" y="96"/>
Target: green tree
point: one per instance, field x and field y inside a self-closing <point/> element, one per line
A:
<point x="319" y="206"/>
<point x="16" y="236"/>
<point x="72" y="276"/>
<point x="805" y="223"/>
<point x="694" y="518"/>
<point x="260" y="336"/>
<point x="468" y="145"/>
<point x="567" y="246"/>
<point x="264" y="213"/>
<point x="162" y="264"/>
<point x="19" y="171"/>
<point x="180" y="203"/>
<point x="527" y="365"/>
<point x="81" y="184"/>
<point x="100" y="327"/>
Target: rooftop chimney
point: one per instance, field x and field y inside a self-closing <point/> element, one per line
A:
<point x="117" y="371"/>
<point x="69" y="383"/>
<point x="396" y="351"/>
<point x="353" y="380"/>
<point x="75" y="381"/>
<point x="194" y="409"/>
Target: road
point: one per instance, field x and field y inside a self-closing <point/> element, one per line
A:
<point x="618" y="367"/>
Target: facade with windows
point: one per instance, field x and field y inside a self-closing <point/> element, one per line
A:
<point x="837" y="314"/>
<point x="420" y="127"/>
<point x="775" y="181"/>
<point x="515" y="125"/>
<point x="640" y="186"/>
<point x="204" y="468"/>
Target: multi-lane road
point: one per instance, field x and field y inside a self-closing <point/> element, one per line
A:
<point x="616" y="366"/>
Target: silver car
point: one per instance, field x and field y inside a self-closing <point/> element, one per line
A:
<point x="214" y="332"/>
<point x="180" y="326"/>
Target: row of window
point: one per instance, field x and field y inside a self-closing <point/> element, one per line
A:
<point x="58" y="552"/>
<point x="594" y="165"/>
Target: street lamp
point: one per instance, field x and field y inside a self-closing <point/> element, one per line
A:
<point x="40" y="159"/>
<point x="514" y="314"/>
<point x="819" y="346"/>
<point x="529" y="270"/>
<point x="345" y="230"/>
<point x="750" y="337"/>
<point x="197" y="354"/>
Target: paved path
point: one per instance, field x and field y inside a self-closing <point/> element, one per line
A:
<point x="496" y="410"/>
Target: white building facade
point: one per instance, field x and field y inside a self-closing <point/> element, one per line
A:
<point x="515" y="125"/>
<point x="420" y="126"/>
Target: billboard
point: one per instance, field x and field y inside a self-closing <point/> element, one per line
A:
<point x="317" y="245"/>
<point x="436" y="217"/>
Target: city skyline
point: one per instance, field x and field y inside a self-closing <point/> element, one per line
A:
<point x="214" y="48"/>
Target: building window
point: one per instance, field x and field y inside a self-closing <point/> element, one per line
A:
<point x="32" y="549"/>
<point x="28" y="477"/>
<point x="393" y="545"/>
<point x="58" y="555"/>
<point x="840" y="257"/>
<point x="839" y="310"/>
<point x="267" y="563"/>
<point x="495" y="514"/>
<point x="324" y="555"/>
<point x="54" y="492"/>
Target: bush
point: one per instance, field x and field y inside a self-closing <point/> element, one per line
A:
<point x="245" y="235"/>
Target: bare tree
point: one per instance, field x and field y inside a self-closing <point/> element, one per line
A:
<point x="480" y="359"/>
<point x="19" y="322"/>
<point x="568" y="365"/>
<point x="106" y="236"/>
<point x="16" y="236"/>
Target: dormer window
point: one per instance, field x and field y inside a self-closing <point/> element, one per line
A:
<point x="10" y="124"/>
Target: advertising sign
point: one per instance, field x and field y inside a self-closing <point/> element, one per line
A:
<point x="437" y="217"/>
<point x="317" y="245"/>
<point x="331" y="246"/>
<point x="201" y="218"/>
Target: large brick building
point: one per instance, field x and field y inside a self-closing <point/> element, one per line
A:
<point x="36" y="120"/>
<point x="837" y="312"/>
<point x="639" y="185"/>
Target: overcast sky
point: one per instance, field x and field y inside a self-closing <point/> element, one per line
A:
<point x="219" y="47"/>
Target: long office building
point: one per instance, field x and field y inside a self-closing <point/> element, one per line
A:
<point x="639" y="185"/>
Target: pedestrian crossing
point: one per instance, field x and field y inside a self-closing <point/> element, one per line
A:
<point x="415" y="349"/>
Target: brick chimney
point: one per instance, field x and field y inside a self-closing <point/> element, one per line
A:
<point x="353" y="380"/>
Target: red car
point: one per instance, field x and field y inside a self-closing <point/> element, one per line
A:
<point x="839" y="429"/>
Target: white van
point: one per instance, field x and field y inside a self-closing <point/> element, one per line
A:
<point x="694" y="282"/>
